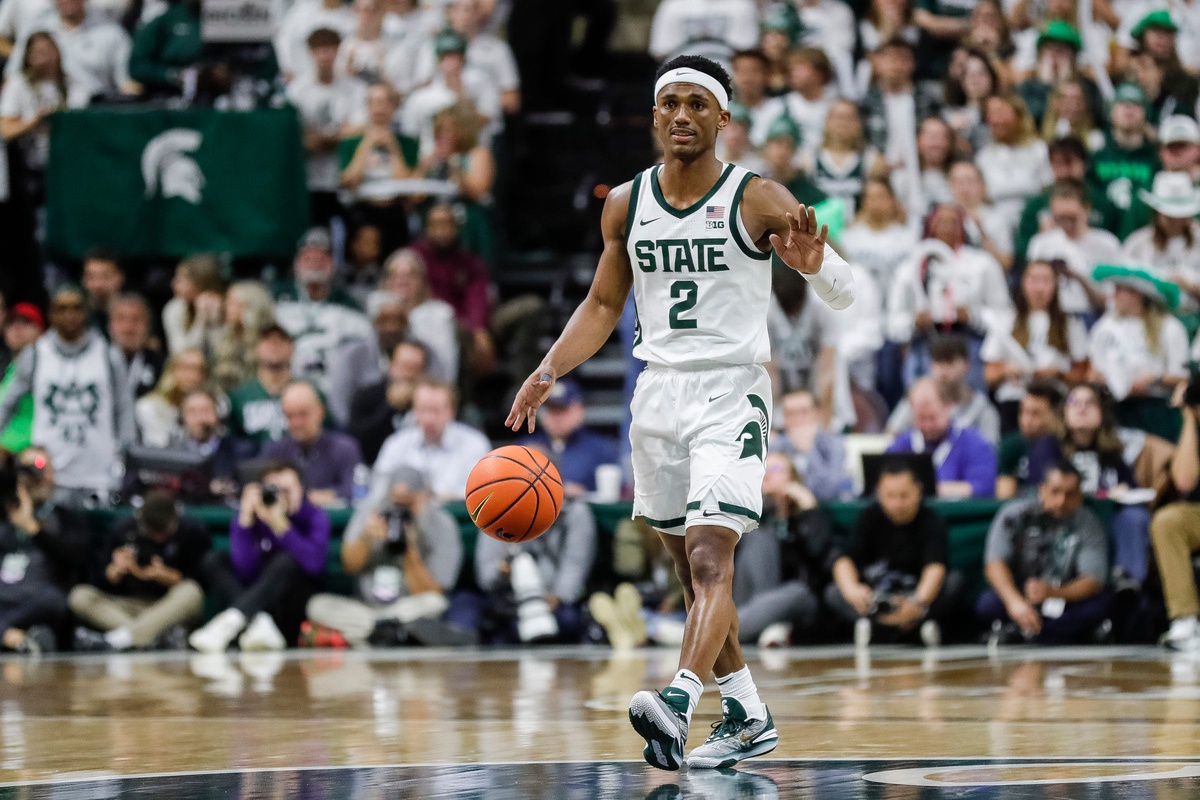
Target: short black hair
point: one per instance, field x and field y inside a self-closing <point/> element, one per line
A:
<point x="948" y="348"/>
<point x="278" y="465"/>
<point x="700" y="64"/>
<point x="1063" y="467"/>
<point x="1068" y="146"/>
<point x="1046" y="390"/>
<point x="897" y="466"/>
<point x="323" y="37"/>
<point x="276" y="331"/>
<point x="159" y="511"/>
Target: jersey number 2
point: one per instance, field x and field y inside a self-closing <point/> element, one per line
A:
<point x="687" y="292"/>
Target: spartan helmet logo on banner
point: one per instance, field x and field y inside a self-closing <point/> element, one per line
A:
<point x="167" y="167"/>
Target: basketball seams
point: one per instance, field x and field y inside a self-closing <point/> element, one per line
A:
<point x="537" y="479"/>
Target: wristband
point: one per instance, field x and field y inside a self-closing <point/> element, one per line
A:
<point x="834" y="283"/>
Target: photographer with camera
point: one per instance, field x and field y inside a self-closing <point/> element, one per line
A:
<point x="146" y="588"/>
<point x="407" y="553"/>
<point x="278" y="543"/>
<point x="535" y="590"/>
<point x="39" y="557"/>
<point x="891" y="576"/>
<point x="1175" y="530"/>
<point x="1046" y="559"/>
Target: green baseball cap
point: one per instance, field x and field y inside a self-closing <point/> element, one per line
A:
<point x="448" y="42"/>
<point x="1141" y="281"/>
<point x="1061" y="32"/>
<point x="785" y="19"/>
<point x="1155" y="19"/>
<point x="784" y="126"/>
<point x="1130" y="93"/>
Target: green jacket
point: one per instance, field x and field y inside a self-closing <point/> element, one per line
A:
<point x="19" y="433"/>
<point x="165" y="46"/>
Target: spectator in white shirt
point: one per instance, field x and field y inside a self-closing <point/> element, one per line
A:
<point x="1076" y="248"/>
<point x="1138" y="349"/>
<point x="441" y="448"/>
<point x="29" y="98"/>
<point x="1170" y="246"/>
<point x="945" y="286"/>
<point x="678" y="23"/>
<point x="927" y="185"/>
<point x="1179" y="145"/>
<point x="455" y="81"/>
<point x="987" y="228"/>
<point x="430" y="321"/>
<point x="410" y="26"/>
<point x="750" y="69"/>
<point x="810" y="74"/>
<point x="306" y="16"/>
<point x="19" y="18"/>
<point x="829" y="25"/>
<point x="364" y="52"/>
<point x="95" y="52"/>
<point x="879" y="239"/>
<point x="485" y="54"/>
<point x="1016" y="165"/>
<point x="1037" y="342"/>
<point x="331" y="107"/>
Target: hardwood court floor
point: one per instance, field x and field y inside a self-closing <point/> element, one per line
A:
<point x="470" y="724"/>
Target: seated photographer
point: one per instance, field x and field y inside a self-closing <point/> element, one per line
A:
<point x="327" y="458"/>
<point x="1046" y="560"/>
<point x="146" y="590"/>
<point x="33" y="561"/>
<point x="202" y="433"/>
<point x="407" y="553"/>
<point x="891" y="577"/>
<point x="69" y="539"/>
<point x="535" y="589"/>
<point x="278" y="544"/>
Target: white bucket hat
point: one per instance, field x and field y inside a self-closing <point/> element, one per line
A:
<point x="1173" y="195"/>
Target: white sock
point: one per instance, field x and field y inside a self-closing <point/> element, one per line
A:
<point x="119" y="638"/>
<point x="687" y="681"/>
<point x="740" y="686"/>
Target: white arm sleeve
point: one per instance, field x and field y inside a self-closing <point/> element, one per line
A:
<point x="834" y="283"/>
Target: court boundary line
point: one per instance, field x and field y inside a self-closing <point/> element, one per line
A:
<point x="994" y="761"/>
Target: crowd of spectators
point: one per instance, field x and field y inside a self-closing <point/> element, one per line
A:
<point x="1015" y="187"/>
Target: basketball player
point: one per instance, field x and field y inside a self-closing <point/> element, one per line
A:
<point x="693" y="238"/>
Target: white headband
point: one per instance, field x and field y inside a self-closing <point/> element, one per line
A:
<point x="693" y="76"/>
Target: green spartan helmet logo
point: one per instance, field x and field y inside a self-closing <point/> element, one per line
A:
<point x="754" y="436"/>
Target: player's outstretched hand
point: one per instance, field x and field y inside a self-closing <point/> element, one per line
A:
<point x="533" y="393"/>
<point x="804" y="248"/>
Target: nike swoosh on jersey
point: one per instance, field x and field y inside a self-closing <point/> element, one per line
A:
<point x="648" y="221"/>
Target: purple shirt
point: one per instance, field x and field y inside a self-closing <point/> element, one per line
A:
<point x="307" y="540"/>
<point x="326" y="464"/>
<point x="963" y="455"/>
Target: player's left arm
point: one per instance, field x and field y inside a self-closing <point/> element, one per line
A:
<point x="774" y="219"/>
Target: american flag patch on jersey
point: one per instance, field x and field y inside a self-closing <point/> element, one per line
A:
<point x="714" y="212"/>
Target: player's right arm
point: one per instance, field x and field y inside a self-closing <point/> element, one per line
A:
<point x="593" y="322"/>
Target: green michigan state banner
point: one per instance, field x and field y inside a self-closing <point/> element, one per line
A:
<point x="175" y="183"/>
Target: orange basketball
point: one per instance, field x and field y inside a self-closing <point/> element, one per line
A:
<point x="514" y="494"/>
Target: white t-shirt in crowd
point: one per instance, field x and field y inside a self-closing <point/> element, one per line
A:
<point x="1177" y="260"/>
<point x="1013" y="174"/>
<point x="446" y="464"/>
<point x="327" y="108"/>
<point x="19" y="18"/>
<point x="968" y="278"/>
<point x="879" y="252"/>
<point x="761" y="117"/>
<point x="678" y="22"/>
<point x="810" y="116"/>
<point x="1083" y="255"/>
<point x="95" y="56"/>
<point x="931" y="187"/>
<point x="1119" y="351"/>
<point x="416" y="116"/>
<point x="20" y="100"/>
<point x="1000" y="346"/>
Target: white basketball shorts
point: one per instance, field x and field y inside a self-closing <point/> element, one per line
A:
<point x="698" y="442"/>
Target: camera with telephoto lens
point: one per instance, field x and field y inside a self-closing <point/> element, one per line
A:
<point x="398" y="518"/>
<point x="270" y="494"/>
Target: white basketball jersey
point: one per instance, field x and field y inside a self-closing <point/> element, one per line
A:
<point x="701" y="288"/>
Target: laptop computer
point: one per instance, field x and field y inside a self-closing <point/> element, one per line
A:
<point x="921" y="465"/>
